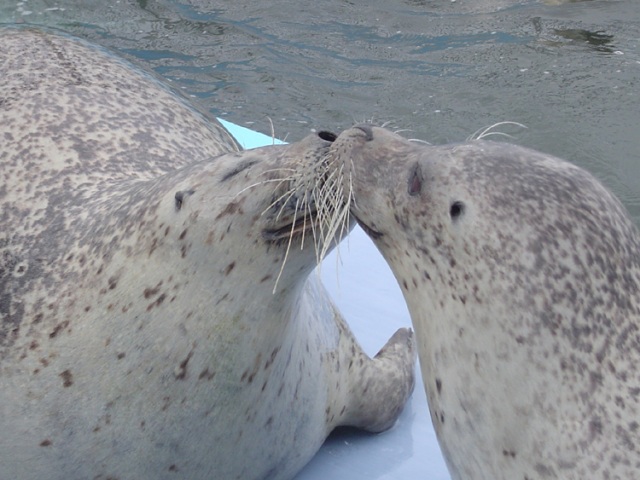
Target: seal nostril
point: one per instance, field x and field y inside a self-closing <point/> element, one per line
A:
<point x="328" y="136"/>
<point x="367" y="130"/>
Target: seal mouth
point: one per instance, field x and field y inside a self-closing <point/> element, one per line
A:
<point x="299" y="227"/>
<point x="374" y="234"/>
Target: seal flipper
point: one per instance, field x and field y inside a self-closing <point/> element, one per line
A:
<point x="380" y="387"/>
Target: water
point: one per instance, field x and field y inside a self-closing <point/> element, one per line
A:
<point x="569" y="71"/>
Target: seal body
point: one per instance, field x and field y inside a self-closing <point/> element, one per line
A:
<point x="521" y="273"/>
<point x="140" y="337"/>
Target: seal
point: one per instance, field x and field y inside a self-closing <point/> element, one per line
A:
<point x="140" y="335"/>
<point x="521" y="273"/>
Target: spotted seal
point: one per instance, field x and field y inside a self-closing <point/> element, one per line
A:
<point x="140" y="337"/>
<point x="521" y="273"/>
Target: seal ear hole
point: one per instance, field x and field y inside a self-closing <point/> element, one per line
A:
<point x="328" y="136"/>
<point x="180" y="197"/>
<point x="456" y="210"/>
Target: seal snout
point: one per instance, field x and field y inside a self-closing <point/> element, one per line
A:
<point x="295" y="210"/>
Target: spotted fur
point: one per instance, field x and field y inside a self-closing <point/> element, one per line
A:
<point x="522" y="276"/>
<point x="139" y="335"/>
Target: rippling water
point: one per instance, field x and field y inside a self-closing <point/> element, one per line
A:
<point x="569" y="71"/>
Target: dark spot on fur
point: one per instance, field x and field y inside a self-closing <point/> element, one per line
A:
<point x="154" y="245"/>
<point x="45" y="443"/>
<point x="438" y="385"/>
<point x="58" y="328"/>
<point x="230" y="209"/>
<point x="595" y="427"/>
<point x="113" y="282"/>
<point x="229" y="267"/>
<point x="206" y="374"/>
<point x="120" y="355"/>
<point x="149" y="292"/>
<point x="173" y="468"/>
<point x="181" y="374"/>
<point x="509" y="453"/>
<point x="271" y="358"/>
<point x="183" y="234"/>
<point x="157" y="302"/>
<point x="67" y="378"/>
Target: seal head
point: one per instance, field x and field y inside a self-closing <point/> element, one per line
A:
<point x="522" y="276"/>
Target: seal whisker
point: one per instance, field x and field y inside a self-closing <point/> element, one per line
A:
<point x="401" y="130"/>
<point x="486" y="131"/>
<point x="286" y="253"/>
<point x="273" y="131"/>
<point x="262" y="182"/>
<point x="272" y="180"/>
<point x="419" y="140"/>
<point x="337" y="208"/>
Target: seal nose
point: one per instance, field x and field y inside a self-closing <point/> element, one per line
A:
<point x="328" y="136"/>
<point x="368" y="131"/>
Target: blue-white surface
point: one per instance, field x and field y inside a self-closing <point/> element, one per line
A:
<point x="248" y="138"/>
<point x="364" y="289"/>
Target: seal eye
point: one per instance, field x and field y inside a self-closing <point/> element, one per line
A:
<point x="456" y="210"/>
<point x="415" y="181"/>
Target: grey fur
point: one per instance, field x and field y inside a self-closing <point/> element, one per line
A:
<point x="139" y="335"/>
<point x="522" y="276"/>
